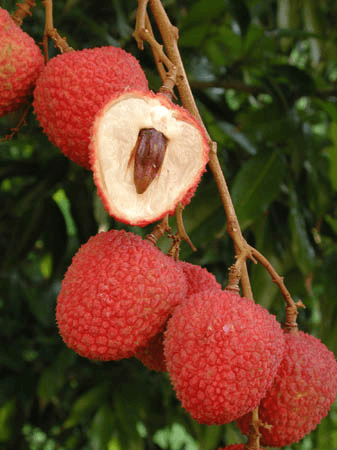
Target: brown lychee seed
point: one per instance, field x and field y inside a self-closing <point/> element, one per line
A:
<point x="21" y="61"/>
<point x="197" y="280"/>
<point x="116" y="295"/>
<point x="74" y="86"/>
<point x="178" y="157"/>
<point x="303" y="390"/>
<point x="222" y="352"/>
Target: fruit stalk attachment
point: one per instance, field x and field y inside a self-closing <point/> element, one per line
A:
<point x="51" y="32"/>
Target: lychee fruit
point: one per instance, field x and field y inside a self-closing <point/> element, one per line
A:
<point x="116" y="295"/>
<point x="303" y="390"/>
<point x="74" y="86"/>
<point x="147" y="154"/>
<point x="152" y="355"/>
<point x="21" y="61"/>
<point x="222" y="352"/>
<point x="197" y="280"/>
<point x="235" y="447"/>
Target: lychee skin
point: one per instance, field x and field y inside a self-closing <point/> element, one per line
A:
<point x="152" y="356"/>
<point x="72" y="89"/>
<point x="235" y="447"/>
<point x="222" y="352"/>
<point x="303" y="390"/>
<point x="197" y="280"/>
<point x="116" y="295"/>
<point x="21" y="61"/>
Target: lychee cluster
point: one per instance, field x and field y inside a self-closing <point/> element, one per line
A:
<point x="21" y="61"/>
<point x="225" y="355"/>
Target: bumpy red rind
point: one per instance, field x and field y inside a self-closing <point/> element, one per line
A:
<point x="303" y="390"/>
<point x="21" y="62"/>
<point x="222" y="352"/>
<point x="74" y="86"/>
<point x="116" y="295"/>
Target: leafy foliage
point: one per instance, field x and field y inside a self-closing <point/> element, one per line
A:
<point x="264" y="83"/>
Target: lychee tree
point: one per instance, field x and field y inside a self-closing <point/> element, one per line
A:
<point x="262" y="114"/>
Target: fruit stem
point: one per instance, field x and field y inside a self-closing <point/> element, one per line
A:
<point x="21" y="122"/>
<point x="50" y="31"/>
<point x="22" y="10"/>
<point x="159" y="231"/>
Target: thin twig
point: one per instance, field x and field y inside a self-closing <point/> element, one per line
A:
<point x="23" y="9"/>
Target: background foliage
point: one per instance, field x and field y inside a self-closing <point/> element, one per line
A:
<point x="264" y="74"/>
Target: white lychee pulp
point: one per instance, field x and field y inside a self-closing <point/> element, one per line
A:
<point x="114" y="140"/>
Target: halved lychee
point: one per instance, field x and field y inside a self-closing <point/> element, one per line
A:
<point x="74" y="86"/>
<point x="145" y="135"/>
<point x="21" y="61"/>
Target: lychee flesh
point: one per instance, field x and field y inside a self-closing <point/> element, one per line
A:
<point x="222" y="352"/>
<point x="197" y="280"/>
<point x="74" y="86"/>
<point x="303" y="390"/>
<point x="116" y="295"/>
<point x="21" y="61"/>
<point x="114" y="137"/>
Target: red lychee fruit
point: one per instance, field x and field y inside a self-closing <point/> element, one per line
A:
<point x="152" y="356"/>
<point x="116" y="295"/>
<point x="21" y="61"/>
<point x="303" y="390"/>
<point x="235" y="447"/>
<point x="74" y="86"/>
<point x="147" y="154"/>
<point x="197" y="279"/>
<point x="222" y="352"/>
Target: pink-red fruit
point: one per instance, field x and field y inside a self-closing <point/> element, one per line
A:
<point x="115" y="137"/>
<point x="222" y="352"/>
<point x="198" y="279"/>
<point x="303" y="390"/>
<point x="116" y="295"/>
<point x="21" y="61"/>
<point x="74" y="86"/>
<point x="235" y="447"/>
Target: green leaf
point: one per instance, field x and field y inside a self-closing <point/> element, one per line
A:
<point x="81" y="203"/>
<point x="301" y="246"/>
<point x="238" y="137"/>
<point x="7" y="427"/>
<point x="333" y="154"/>
<point x="100" y="432"/>
<point x="256" y="185"/>
<point x="87" y="404"/>
<point x="201" y="11"/>
<point x="241" y="14"/>
<point x="193" y="37"/>
<point x="53" y="377"/>
<point x="25" y="233"/>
